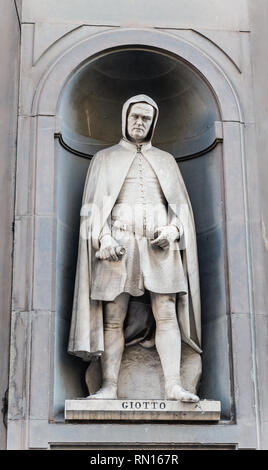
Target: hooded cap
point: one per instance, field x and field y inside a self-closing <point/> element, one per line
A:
<point x="139" y="99"/>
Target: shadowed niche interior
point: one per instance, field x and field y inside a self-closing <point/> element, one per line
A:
<point x="90" y="113"/>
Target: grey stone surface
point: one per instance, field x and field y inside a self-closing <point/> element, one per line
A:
<point x="227" y="41"/>
<point x="243" y="362"/>
<point x="258" y="20"/>
<point x="22" y="282"/>
<point x="45" y="166"/>
<point x="237" y="66"/>
<point x="262" y="337"/>
<point x="40" y="364"/>
<point x="124" y="434"/>
<point x="19" y="365"/>
<point x="31" y="72"/>
<point x="234" y="159"/>
<point x="145" y="410"/>
<point x="264" y="434"/>
<point x="17" y="435"/>
<point x="18" y="4"/>
<point x="44" y="264"/>
<point x="25" y="166"/>
<point x="47" y="34"/>
<point x="181" y="14"/>
<point x="216" y="53"/>
<point x="9" y="60"/>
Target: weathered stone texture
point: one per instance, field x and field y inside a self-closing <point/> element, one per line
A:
<point x="214" y="37"/>
<point x="9" y="53"/>
<point x="209" y="14"/>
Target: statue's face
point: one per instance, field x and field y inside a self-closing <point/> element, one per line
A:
<point x="139" y="121"/>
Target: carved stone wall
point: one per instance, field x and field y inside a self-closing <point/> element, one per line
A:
<point x="57" y="41"/>
<point x="9" y="79"/>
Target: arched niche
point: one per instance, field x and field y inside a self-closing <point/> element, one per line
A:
<point x="90" y="106"/>
<point x="89" y="109"/>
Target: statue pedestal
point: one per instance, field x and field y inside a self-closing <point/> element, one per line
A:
<point x="141" y="410"/>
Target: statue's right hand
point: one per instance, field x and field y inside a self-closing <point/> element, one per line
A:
<point x="108" y="249"/>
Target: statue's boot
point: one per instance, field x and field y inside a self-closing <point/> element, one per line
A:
<point x="108" y="391"/>
<point x="174" y="391"/>
<point x="168" y="344"/>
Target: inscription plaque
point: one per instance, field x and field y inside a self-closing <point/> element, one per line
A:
<point x="165" y="410"/>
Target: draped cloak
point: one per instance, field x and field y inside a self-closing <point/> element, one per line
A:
<point x="106" y="174"/>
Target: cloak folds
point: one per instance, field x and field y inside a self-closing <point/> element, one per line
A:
<point x="106" y="175"/>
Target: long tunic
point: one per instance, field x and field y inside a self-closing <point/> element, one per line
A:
<point x="139" y="210"/>
<point x="106" y="176"/>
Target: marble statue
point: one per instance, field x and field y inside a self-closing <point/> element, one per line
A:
<point x="137" y="234"/>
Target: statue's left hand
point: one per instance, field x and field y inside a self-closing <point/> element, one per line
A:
<point x="107" y="251"/>
<point x="166" y="235"/>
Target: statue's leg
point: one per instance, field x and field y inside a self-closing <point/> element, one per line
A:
<point x="114" y="316"/>
<point x="168" y="345"/>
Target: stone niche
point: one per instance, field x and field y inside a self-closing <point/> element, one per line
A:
<point x="189" y="128"/>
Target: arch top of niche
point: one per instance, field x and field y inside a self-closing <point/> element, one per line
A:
<point x="48" y="92"/>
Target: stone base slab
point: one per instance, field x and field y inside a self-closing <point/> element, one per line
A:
<point x="141" y="410"/>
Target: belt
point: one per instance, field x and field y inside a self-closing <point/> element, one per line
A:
<point x="131" y="228"/>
